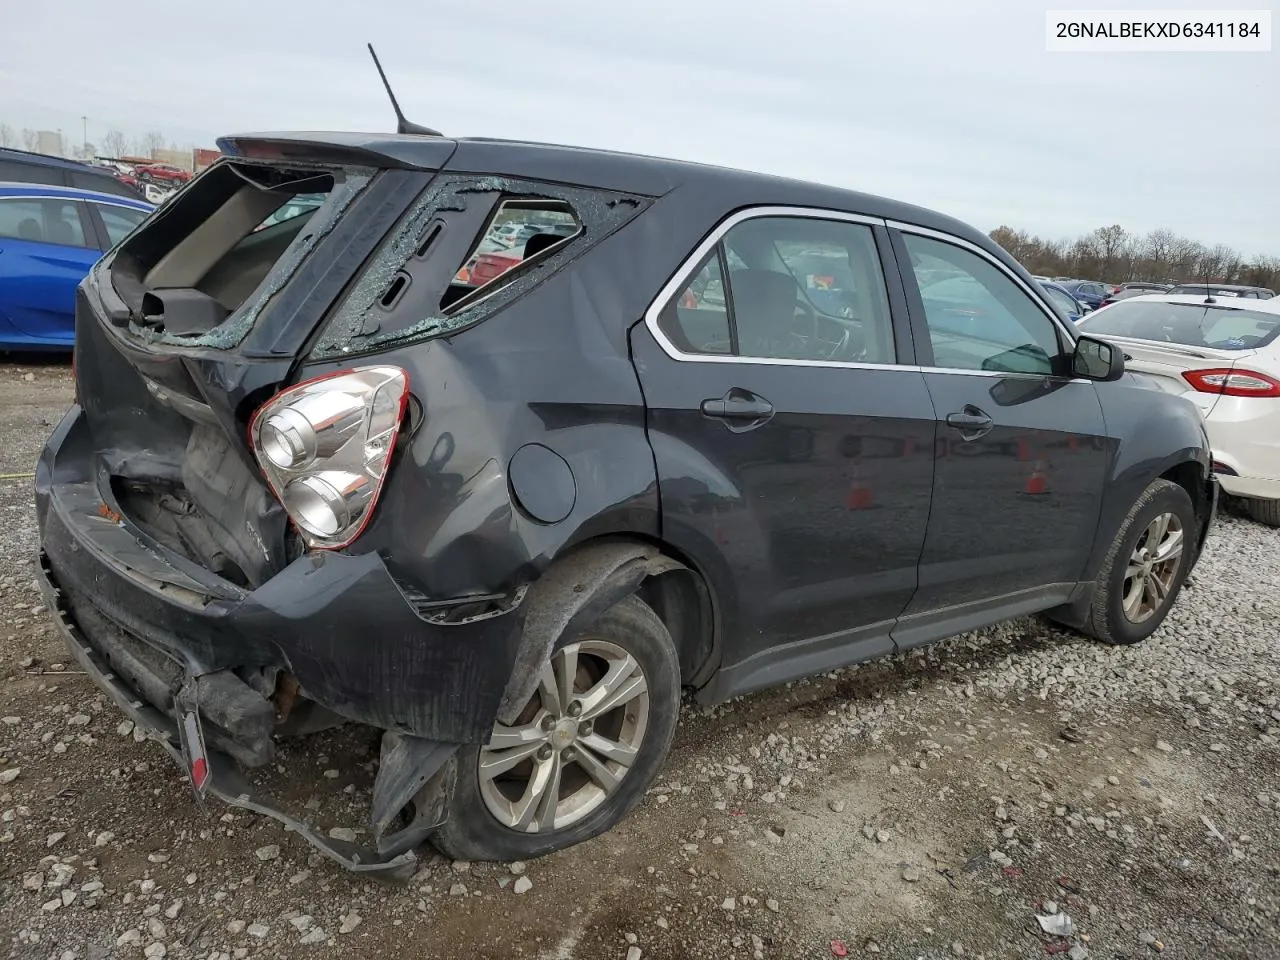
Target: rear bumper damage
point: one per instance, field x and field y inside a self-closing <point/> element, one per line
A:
<point x="225" y="781"/>
<point x="335" y="634"/>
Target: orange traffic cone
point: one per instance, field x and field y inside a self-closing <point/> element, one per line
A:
<point x="1024" y="449"/>
<point x="859" y="496"/>
<point x="1038" y="482"/>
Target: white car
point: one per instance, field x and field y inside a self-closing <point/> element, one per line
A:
<point x="1223" y="354"/>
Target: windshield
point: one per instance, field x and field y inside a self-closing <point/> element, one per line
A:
<point x="1190" y="324"/>
<point x="1062" y="300"/>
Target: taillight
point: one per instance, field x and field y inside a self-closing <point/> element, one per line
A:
<point x="1233" y="383"/>
<point x="325" y="445"/>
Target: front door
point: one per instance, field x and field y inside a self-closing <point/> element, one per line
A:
<point x="44" y="254"/>
<point x="792" y="438"/>
<point x="1021" y="455"/>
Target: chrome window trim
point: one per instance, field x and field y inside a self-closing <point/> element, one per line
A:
<point x="690" y="265"/>
<point x="108" y="203"/>
<point x="1037" y="298"/>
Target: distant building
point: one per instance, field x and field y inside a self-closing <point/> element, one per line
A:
<point x="49" y="142"/>
<point x="202" y="157"/>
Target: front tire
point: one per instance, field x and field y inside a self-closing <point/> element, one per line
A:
<point x="1145" y="567"/>
<point x="582" y="752"/>
<point x="1264" y="511"/>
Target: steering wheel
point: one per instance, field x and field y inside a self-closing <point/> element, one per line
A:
<point x="825" y="349"/>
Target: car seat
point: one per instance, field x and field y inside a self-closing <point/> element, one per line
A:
<point x="764" y="309"/>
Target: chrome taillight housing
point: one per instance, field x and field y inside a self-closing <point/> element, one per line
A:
<point x="325" y="445"/>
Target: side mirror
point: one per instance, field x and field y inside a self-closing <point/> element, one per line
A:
<point x="1096" y="359"/>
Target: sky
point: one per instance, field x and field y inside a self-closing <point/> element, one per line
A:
<point x="949" y="104"/>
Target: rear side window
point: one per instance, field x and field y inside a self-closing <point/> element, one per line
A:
<point x="42" y="221"/>
<point x="786" y="288"/>
<point x="1190" y="324"/>
<point x="520" y="231"/>
<point x="119" y="221"/>
<point x="14" y="172"/>
<point x="468" y="247"/>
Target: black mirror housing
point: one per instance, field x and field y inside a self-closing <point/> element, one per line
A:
<point x="1096" y="359"/>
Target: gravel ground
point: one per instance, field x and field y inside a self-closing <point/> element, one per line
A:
<point x="1015" y="792"/>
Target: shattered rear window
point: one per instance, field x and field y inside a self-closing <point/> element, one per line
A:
<point x="201" y="272"/>
<point x="520" y="231"/>
<point x="468" y="247"/>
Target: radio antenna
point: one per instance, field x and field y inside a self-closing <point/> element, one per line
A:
<point x="403" y="124"/>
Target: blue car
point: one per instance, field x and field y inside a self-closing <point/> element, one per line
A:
<point x="1069" y="305"/>
<point x="49" y="238"/>
<point x="1089" y="292"/>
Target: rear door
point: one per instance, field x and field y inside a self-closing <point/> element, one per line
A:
<point x="46" y="249"/>
<point x="1022" y="448"/>
<point x="792" y="436"/>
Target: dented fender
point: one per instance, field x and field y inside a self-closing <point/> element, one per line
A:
<point x="573" y="593"/>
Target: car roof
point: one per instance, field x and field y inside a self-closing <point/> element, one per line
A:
<point x="51" y="191"/>
<point x="590" y="167"/>
<point x="1271" y="305"/>
<point x="45" y="159"/>
<point x="1199" y="285"/>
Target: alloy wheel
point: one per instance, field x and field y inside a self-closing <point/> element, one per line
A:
<point x="1149" y="577"/>
<point x="574" y="742"/>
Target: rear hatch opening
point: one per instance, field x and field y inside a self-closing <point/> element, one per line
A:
<point x="200" y="272"/>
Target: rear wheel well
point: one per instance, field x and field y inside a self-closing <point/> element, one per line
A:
<point x="683" y="601"/>
<point x="1190" y="476"/>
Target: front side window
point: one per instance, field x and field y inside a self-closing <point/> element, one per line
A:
<point x="786" y="288"/>
<point x="42" y="221"/>
<point x="119" y="221"/>
<point x="978" y="318"/>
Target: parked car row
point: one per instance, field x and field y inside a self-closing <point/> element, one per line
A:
<point x="22" y="166"/>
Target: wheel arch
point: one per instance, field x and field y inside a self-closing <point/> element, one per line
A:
<point x="592" y="576"/>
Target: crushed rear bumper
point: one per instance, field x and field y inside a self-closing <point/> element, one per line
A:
<point x="225" y="781"/>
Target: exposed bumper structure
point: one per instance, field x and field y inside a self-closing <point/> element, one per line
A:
<point x="154" y="630"/>
<point x="225" y="781"/>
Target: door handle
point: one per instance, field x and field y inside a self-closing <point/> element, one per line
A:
<point x="736" y="407"/>
<point x="971" y="422"/>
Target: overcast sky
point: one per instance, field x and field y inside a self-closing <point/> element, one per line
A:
<point x="952" y="105"/>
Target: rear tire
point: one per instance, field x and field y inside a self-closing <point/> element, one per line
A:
<point x="1145" y="567"/>
<point x="580" y="750"/>
<point x="1264" y="511"/>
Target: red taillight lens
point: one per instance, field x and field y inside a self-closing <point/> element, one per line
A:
<point x="1233" y="383"/>
<point x="325" y="446"/>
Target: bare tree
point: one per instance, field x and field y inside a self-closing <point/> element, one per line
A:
<point x="115" y="143"/>
<point x="1110" y="253"/>
<point x="8" y="138"/>
<point x="30" y="139"/>
<point x="152" y="141"/>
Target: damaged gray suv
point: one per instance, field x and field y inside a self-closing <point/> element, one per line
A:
<point x="495" y="448"/>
